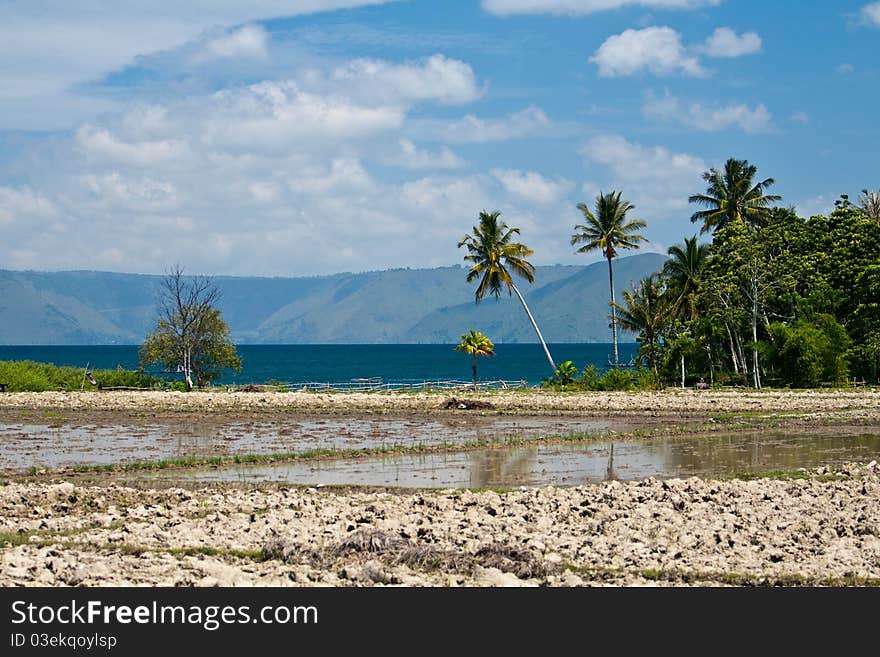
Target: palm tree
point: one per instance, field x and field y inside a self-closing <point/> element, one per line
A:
<point x="609" y="230"/>
<point x="733" y="196"/>
<point x="476" y="344"/>
<point x="645" y="312"/>
<point x="869" y="202"/>
<point x="495" y="255"/>
<point x="684" y="274"/>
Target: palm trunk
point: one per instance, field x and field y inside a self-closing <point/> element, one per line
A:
<point x="711" y="365"/>
<point x="682" y="370"/>
<point x="756" y="374"/>
<point x="535" y="326"/>
<point x="474" y="367"/>
<point x="732" y="349"/>
<point x="613" y="313"/>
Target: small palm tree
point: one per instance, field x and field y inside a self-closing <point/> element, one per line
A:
<point x="869" y="202"/>
<point x="565" y="373"/>
<point x="495" y="255"/>
<point x="476" y="344"/>
<point x="608" y="229"/>
<point x="733" y="196"/>
<point x="684" y="273"/>
<point x="645" y="312"/>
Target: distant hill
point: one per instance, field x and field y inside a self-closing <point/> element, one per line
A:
<point x="570" y="304"/>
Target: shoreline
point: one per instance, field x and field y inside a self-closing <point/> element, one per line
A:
<point x="672" y="401"/>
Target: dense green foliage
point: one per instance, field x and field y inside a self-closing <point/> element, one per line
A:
<point x="772" y="299"/>
<point x="30" y="376"/>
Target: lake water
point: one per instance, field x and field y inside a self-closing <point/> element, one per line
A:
<point x="342" y="363"/>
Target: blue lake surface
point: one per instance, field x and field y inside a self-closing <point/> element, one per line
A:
<point x="341" y="363"/>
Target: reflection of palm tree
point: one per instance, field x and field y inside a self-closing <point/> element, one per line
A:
<point x="502" y="467"/>
<point x="610" y="474"/>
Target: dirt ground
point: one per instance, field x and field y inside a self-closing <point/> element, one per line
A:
<point x="818" y="528"/>
<point x="670" y="402"/>
<point x="823" y="529"/>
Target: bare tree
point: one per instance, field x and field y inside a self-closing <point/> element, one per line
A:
<point x="190" y="334"/>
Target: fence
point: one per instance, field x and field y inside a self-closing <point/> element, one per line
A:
<point x="377" y="385"/>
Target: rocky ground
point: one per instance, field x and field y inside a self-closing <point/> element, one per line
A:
<point x="823" y="529"/>
<point x="671" y="402"/>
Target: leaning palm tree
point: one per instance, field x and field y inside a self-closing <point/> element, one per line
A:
<point x="644" y="311"/>
<point x="476" y="344"/>
<point x="608" y="229"/>
<point x="732" y="195"/>
<point x="869" y="203"/>
<point x="684" y="273"/>
<point x="495" y="255"/>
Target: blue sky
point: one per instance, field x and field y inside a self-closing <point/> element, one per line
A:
<point x="317" y="136"/>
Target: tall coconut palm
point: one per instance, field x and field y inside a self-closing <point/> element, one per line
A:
<point x="644" y="311"/>
<point x="609" y="229"/>
<point x="869" y="203"/>
<point x="476" y="344"/>
<point x="495" y="256"/>
<point x="732" y="195"/>
<point x="684" y="273"/>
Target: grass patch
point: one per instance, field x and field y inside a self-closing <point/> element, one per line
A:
<point x="31" y="376"/>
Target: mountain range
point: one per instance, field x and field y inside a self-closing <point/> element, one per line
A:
<point x="570" y="304"/>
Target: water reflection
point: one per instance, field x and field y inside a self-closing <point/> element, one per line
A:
<point x="717" y="455"/>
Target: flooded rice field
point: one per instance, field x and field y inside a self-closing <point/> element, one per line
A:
<point x="48" y="445"/>
<point x="568" y="464"/>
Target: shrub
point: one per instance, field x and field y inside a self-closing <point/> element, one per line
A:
<point x="31" y="376"/>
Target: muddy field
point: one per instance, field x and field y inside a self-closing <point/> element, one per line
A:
<point x="820" y="530"/>
<point x="670" y="402"/>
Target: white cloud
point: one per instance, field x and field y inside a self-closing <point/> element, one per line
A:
<point x="100" y="144"/>
<point x="472" y="129"/>
<point x="656" y="50"/>
<point x="343" y="174"/>
<point x="800" y="117"/>
<point x="709" y="118"/>
<point x="870" y="14"/>
<point x="248" y="41"/>
<point x="570" y="7"/>
<point x="113" y="190"/>
<point x="48" y="47"/>
<point x="438" y="78"/>
<point x="23" y="203"/>
<point x="844" y="69"/>
<point x="656" y="179"/>
<point x="532" y="187"/>
<point x="724" y="42"/>
<point x="271" y="116"/>
<point x="409" y="156"/>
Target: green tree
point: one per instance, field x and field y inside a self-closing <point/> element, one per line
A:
<point x="732" y="195"/>
<point x="869" y="203"/>
<point x="494" y="256"/>
<point x="684" y="272"/>
<point x="190" y="335"/>
<point x="645" y="311"/>
<point x="609" y="229"/>
<point x="476" y="344"/>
